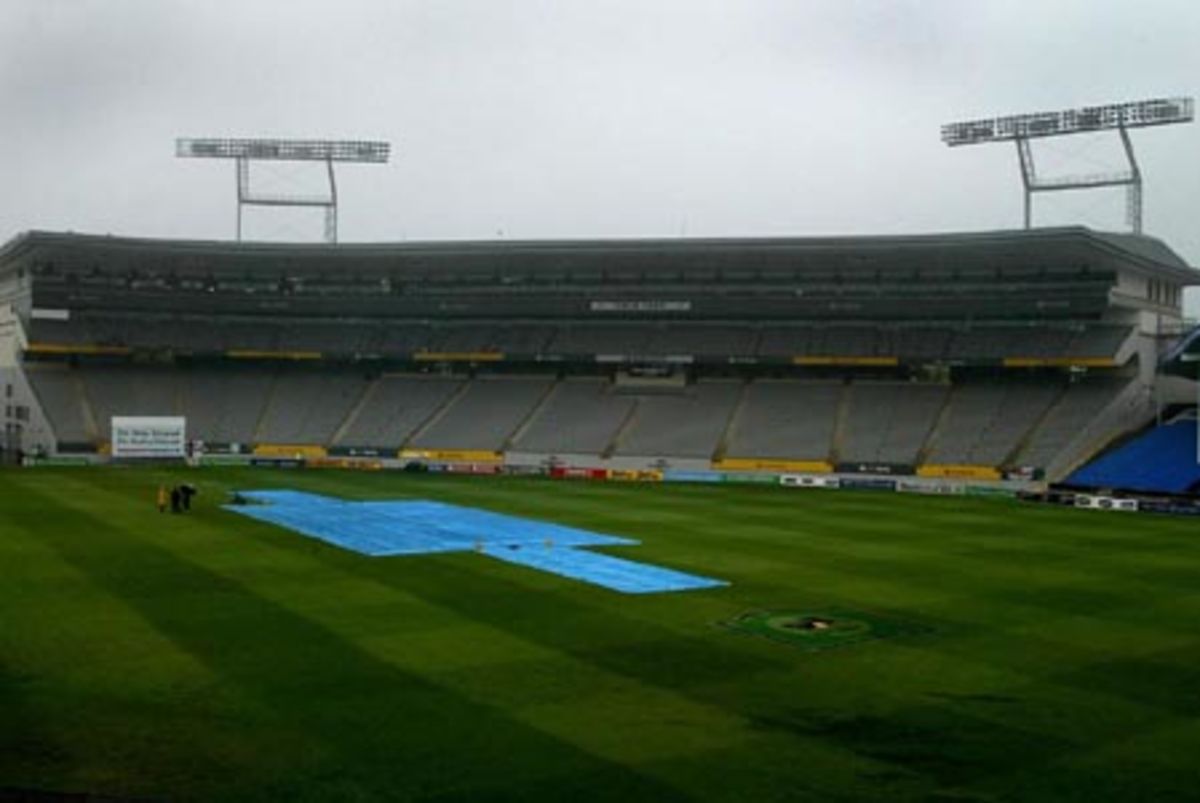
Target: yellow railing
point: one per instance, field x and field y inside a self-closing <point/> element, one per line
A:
<point x="457" y="356"/>
<point x="1059" y="362"/>
<point x="863" y="361"/>
<point x="268" y="354"/>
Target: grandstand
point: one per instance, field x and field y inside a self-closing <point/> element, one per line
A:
<point x="888" y="422"/>
<point x="394" y="408"/>
<point x="987" y="420"/>
<point x="1161" y="460"/>
<point x="787" y="419"/>
<point x="972" y="355"/>
<point x="582" y="416"/>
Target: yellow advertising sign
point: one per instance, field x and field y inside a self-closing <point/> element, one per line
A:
<point x="299" y="450"/>
<point x="962" y="472"/>
<point x="453" y="455"/>
<point x="767" y="464"/>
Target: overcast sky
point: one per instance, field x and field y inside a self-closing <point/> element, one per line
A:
<point x="584" y="118"/>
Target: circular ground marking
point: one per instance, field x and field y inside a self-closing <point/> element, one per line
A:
<point x="821" y="629"/>
<point x="817" y="625"/>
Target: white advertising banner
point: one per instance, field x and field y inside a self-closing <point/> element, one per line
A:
<point x="1106" y="503"/>
<point x="161" y="437"/>
<point x="640" y="306"/>
<point x="808" y="481"/>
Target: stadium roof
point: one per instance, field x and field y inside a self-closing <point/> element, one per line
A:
<point x="1046" y="246"/>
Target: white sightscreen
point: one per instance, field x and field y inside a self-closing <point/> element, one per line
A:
<point x="149" y="437"/>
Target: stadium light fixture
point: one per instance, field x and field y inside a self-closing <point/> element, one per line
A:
<point x="1119" y="117"/>
<point x="243" y="151"/>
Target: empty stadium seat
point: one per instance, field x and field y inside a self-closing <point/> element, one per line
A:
<point x="484" y="416"/>
<point x="689" y="425"/>
<point x="1161" y="460"/>
<point x="395" y="408"/>
<point x="786" y="419"/>
<point x="581" y="417"/>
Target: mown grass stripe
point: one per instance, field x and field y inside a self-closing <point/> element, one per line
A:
<point x="1044" y="623"/>
<point x="286" y="662"/>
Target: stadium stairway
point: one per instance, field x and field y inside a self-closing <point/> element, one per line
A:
<point x="1014" y="457"/>
<point x="532" y="416"/>
<point x="731" y="424"/>
<point x="841" y="417"/>
<point x="622" y="430"/>
<point x="938" y="422"/>
<point x="94" y="431"/>
<point x="438" y="414"/>
<point x="352" y="416"/>
<point x="1011" y="459"/>
<point x="264" y="414"/>
<point x="1163" y="460"/>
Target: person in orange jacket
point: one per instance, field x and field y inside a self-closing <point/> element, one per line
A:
<point x="162" y="499"/>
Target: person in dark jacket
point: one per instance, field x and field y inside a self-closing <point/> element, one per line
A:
<point x="186" y="492"/>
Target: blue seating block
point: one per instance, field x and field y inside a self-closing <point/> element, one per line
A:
<point x="1162" y="460"/>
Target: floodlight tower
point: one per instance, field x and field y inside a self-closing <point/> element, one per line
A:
<point x="1022" y="128"/>
<point x="288" y="150"/>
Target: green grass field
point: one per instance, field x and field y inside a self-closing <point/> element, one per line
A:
<point x="1053" y="654"/>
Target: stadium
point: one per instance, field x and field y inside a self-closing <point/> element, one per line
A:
<point x="1009" y="356"/>
<point x="473" y="401"/>
<point x="639" y="519"/>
